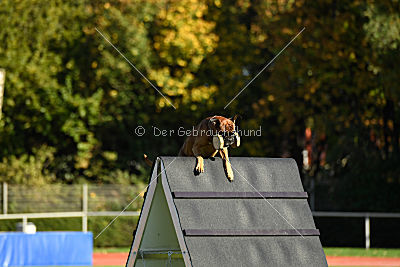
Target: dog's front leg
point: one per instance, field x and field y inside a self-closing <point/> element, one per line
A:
<point x="227" y="165"/>
<point x="199" y="168"/>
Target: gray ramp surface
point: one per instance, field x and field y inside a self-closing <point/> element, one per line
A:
<point x="256" y="251"/>
<point x="243" y="213"/>
<point x="265" y="174"/>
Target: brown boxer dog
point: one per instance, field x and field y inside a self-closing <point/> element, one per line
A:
<point x="212" y="135"/>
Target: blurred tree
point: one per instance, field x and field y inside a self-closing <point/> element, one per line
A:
<point x="182" y="39"/>
<point x="69" y="92"/>
<point x="327" y="80"/>
<point x="64" y="88"/>
<point x="29" y="169"/>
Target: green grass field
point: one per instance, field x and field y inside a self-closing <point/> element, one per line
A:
<point x="362" y="252"/>
<point x="111" y="250"/>
<point x="329" y="251"/>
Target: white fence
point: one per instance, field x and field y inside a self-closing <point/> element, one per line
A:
<point x="25" y="216"/>
<point x="90" y="201"/>
<point x="64" y="198"/>
<point x="23" y="202"/>
<point x="365" y="215"/>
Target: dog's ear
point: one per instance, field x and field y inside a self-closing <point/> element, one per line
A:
<point x="235" y="118"/>
<point x="214" y="122"/>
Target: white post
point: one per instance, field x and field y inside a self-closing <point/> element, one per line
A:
<point x="5" y="198"/>
<point x="367" y="233"/>
<point x="2" y="81"/>
<point x="84" y="207"/>
<point x="24" y="223"/>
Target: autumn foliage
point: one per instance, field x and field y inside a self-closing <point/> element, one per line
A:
<point x="72" y="103"/>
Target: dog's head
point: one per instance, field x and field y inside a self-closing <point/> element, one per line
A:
<point x="225" y="130"/>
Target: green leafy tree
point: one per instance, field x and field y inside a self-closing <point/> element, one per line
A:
<point x="72" y="101"/>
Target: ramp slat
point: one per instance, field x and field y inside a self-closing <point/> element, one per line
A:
<point x="255" y="195"/>
<point x="255" y="232"/>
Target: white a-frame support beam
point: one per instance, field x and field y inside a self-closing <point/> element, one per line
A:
<point x="157" y="180"/>
<point x="143" y="217"/>
<point x="175" y="217"/>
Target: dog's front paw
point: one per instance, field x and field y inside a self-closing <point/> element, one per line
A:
<point x="198" y="169"/>
<point x="229" y="175"/>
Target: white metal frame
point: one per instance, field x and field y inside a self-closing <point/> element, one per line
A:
<point x="175" y="217"/>
<point x="145" y="213"/>
<point x="143" y="217"/>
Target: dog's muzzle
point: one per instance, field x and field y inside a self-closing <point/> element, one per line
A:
<point x="226" y="139"/>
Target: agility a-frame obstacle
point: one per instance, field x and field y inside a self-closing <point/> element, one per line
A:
<point x="158" y="236"/>
<point x="262" y="218"/>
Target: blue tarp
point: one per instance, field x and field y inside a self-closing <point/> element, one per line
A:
<point x="46" y="249"/>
